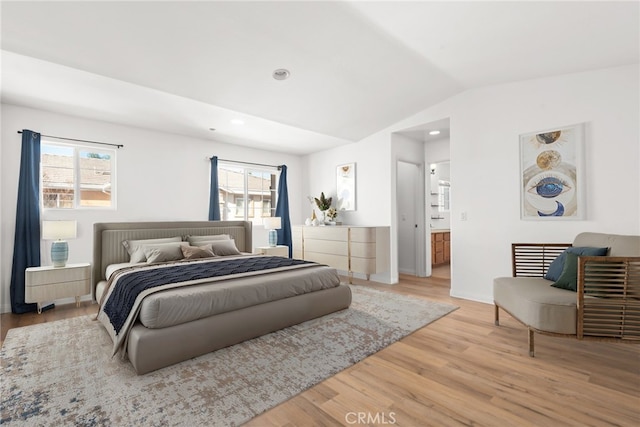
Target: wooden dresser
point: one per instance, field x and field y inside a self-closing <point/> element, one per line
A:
<point x="348" y="248"/>
<point x="440" y="247"/>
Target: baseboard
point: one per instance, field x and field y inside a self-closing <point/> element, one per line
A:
<point x="472" y="297"/>
<point x="6" y="308"/>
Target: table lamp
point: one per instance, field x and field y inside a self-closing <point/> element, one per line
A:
<point x="272" y="224"/>
<point x="59" y="231"/>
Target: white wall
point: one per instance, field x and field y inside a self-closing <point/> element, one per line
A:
<point x="372" y="179"/>
<point x="159" y="177"/>
<point x="373" y="182"/>
<point x="485" y="170"/>
<point x="437" y="151"/>
<point x="485" y="125"/>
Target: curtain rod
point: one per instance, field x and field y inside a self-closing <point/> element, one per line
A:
<point x="81" y="140"/>
<point x="246" y="163"/>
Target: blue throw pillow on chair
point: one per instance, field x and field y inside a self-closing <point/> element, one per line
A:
<point x="555" y="268"/>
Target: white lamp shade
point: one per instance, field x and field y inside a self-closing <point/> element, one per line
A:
<point x="58" y="230"/>
<point x="272" y="223"/>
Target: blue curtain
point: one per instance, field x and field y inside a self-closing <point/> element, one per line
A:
<point x="282" y="210"/>
<point x="214" y="195"/>
<point x="26" y="245"/>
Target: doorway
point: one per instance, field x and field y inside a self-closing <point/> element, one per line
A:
<point x="429" y="142"/>
<point x="440" y="219"/>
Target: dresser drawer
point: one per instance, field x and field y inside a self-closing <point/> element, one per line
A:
<point x="326" y="233"/>
<point x="363" y="250"/>
<point x="363" y="234"/>
<point x="339" y="262"/>
<point x="334" y="247"/>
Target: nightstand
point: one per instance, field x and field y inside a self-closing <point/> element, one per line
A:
<point x="49" y="283"/>
<point x="279" y="250"/>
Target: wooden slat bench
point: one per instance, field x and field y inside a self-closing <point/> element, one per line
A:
<point x="606" y="305"/>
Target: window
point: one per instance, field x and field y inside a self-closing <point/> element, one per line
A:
<point x="246" y="193"/>
<point x="76" y="177"/>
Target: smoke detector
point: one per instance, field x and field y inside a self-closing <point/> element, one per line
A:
<point x="281" y="74"/>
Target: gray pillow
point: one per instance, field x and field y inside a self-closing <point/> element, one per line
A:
<point x="195" y="252"/>
<point x="197" y="239"/>
<point x="224" y="247"/>
<point x="164" y="252"/>
<point x="135" y="247"/>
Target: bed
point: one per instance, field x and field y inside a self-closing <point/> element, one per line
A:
<point x="261" y="301"/>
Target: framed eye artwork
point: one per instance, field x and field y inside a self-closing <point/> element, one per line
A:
<point x="552" y="174"/>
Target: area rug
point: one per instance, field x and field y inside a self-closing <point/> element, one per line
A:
<point x="61" y="373"/>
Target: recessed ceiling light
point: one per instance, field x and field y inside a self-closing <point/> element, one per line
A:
<point x="281" y="74"/>
<point x="237" y="122"/>
<point x="434" y="132"/>
<point x="212" y="129"/>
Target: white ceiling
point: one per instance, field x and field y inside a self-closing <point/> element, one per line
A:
<point x="356" y="67"/>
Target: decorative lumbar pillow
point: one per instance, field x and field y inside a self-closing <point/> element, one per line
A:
<point x="193" y="240"/>
<point x="136" y="250"/>
<point x="555" y="268"/>
<point x="164" y="252"/>
<point x="195" y="252"/>
<point x="224" y="247"/>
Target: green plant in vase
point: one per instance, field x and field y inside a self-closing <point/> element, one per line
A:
<point x="323" y="204"/>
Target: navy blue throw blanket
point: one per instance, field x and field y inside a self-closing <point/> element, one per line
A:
<point x="128" y="287"/>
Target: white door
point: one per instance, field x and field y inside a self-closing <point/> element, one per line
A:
<point x="407" y="193"/>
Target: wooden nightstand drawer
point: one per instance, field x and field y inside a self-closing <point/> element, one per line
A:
<point x="36" y="276"/>
<point x="56" y="291"/>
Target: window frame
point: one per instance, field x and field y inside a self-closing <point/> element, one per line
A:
<point x="77" y="189"/>
<point x="247" y="169"/>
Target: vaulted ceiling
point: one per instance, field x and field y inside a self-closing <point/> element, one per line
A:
<point x="356" y="67"/>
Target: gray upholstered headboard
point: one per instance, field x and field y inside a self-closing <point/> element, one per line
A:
<point x="108" y="238"/>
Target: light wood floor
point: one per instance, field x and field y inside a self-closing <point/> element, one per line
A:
<point x="460" y="370"/>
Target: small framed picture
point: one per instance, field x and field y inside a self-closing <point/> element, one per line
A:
<point x="346" y="187"/>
